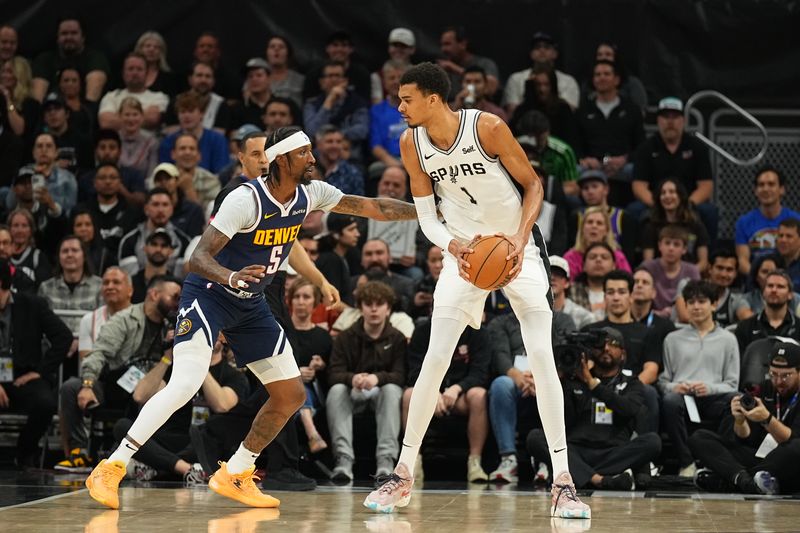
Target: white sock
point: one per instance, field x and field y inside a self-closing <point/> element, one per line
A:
<point x="125" y="452"/>
<point x="445" y="333"/>
<point x="241" y="460"/>
<point x="535" y="327"/>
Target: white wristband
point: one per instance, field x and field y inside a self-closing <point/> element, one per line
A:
<point x="230" y="280"/>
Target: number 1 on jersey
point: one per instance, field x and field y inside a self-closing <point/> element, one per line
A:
<point x="471" y="199"/>
<point x="275" y="259"/>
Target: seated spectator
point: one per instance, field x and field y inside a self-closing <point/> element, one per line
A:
<point x="134" y="77"/>
<point x="139" y="147"/>
<point x="423" y="297"/>
<point x="668" y="270"/>
<point x="375" y="261"/>
<point x="458" y="56"/>
<point x="594" y="192"/>
<point x="71" y="51"/>
<point x="187" y="215"/>
<point x="49" y="222"/>
<point x="644" y="292"/>
<point x="158" y="211"/>
<point x="158" y="251"/>
<point x="367" y="367"/>
<point x="198" y="184"/>
<point x="255" y="92"/>
<point x="587" y="290"/>
<point x="758" y="281"/>
<point x="312" y="351"/>
<point x="212" y="146"/>
<point x="733" y="462"/>
<point x="207" y="50"/>
<point x="338" y="48"/>
<point x="85" y="227"/>
<point x="283" y="81"/>
<point x="776" y="319"/>
<point x="601" y="405"/>
<point x="731" y="304"/>
<point x="542" y="94"/>
<point x="169" y="449"/>
<point x="609" y="127"/>
<point x="108" y="150"/>
<point x="672" y="207"/>
<point x="338" y="106"/>
<point x="473" y="95"/>
<point x="158" y="76"/>
<point x="29" y="265"/>
<point x="555" y="156"/>
<point x="398" y="319"/>
<point x="595" y="227"/>
<point x="9" y="42"/>
<point x="462" y="392"/>
<point x="110" y="208"/>
<point x="671" y="152"/>
<point x="385" y="122"/>
<point x="631" y="87"/>
<point x="217" y="113"/>
<point x="335" y="248"/>
<point x="399" y="236"/>
<point x="28" y="386"/>
<point x="24" y="112"/>
<point x="280" y="112"/>
<point x="116" y="291"/>
<point x="788" y="246"/>
<point x="757" y="230"/>
<point x="133" y="337"/>
<point x="402" y="46"/>
<point x="82" y="115"/>
<point x="74" y="286"/>
<point x="701" y="367"/>
<point x="60" y="185"/>
<point x="559" y="287"/>
<point x="543" y="54"/>
<point x="338" y="171"/>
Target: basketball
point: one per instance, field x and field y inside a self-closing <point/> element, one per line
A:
<point x="489" y="269"/>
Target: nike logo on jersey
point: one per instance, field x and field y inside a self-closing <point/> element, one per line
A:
<point x="428" y="156"/>
<point x="131" y="447"/>
<point x="559" y="450"/>
<point x="270" y="215"/>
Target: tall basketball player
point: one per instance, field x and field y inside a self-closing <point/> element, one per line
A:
<point x="235" y="260"/>
<point x="486" y="186"/>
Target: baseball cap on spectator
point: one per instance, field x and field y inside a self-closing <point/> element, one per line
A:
<point x="542" y="37"/>
<point x="336" y="222"/>
<point x="613" y="336"/>
<point x="591" y="175"/>
<point x="169" y="168"/>
<point x="556" y="261"/>
<point x="244" y="131"/>
<point x="670" y="104"/>
<point x="160" y="234"/>
<point x="403" y="36"/>
<point x="257" y="62"/>
<point x="53" y="100"/>
<point x="785" y="355"/>
<point x="24" y="173"/>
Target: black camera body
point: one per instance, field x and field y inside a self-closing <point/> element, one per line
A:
<point x="579" y="346"/>
<point x="748" y="401"/>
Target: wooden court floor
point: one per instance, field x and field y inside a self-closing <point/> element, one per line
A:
<point x="442" y="511"/>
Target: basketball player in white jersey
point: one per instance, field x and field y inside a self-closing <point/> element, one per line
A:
<point x="486" y="186"/>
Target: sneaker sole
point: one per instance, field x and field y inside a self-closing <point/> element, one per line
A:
<point x="96" y="498"/>
<point x="567" y="513"/>
<point x="375" y="506"/>
<point x="222" y="491"/>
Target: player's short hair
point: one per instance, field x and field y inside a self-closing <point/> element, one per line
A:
<point x="700" y="289"/>
<point x="619" y="275"/>
<point x="301" y="282"/>
<point x="791" y="223"/>
<point x="769" y="168"/>
<point x="375" y="292"/>
<point x="674" y="231"/>
<point x="429" y="79"/>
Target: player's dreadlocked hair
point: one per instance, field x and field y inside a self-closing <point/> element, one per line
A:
<point x="274" y="138"/>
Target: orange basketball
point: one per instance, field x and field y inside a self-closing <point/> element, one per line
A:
<point x="488" y="266"/>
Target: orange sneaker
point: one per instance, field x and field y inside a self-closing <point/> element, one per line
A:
<point x="103" y="482"/>
<point x="240" y="487"/>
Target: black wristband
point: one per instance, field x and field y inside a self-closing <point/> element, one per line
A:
<point x="765" y="423"/>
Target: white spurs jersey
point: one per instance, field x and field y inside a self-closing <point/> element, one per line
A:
<point x="477" y="194"/>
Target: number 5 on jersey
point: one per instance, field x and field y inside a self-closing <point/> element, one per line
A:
<point x="275" y="259"/>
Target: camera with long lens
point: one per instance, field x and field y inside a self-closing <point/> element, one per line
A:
<point x="748" y="401"/>
<point x="578" y="346"/>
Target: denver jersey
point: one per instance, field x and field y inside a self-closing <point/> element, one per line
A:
<point x="269" y="240"/>
<point x="477" y="194"/>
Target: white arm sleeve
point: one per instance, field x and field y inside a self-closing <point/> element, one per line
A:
<point x="323" y="196"/>
<point x="239" y="210"/>
<point x="434" y="230"/>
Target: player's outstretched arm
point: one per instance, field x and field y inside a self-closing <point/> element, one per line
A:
<point x="375" y="208"/>
<point x="302" y="263"/>
<point x="203" y="264"/>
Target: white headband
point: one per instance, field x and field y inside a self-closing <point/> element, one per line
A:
<point x="292" y="142"/>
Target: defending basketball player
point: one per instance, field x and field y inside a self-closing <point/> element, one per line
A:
<point x="235" y="260"/>
<point x="486" y="186"/>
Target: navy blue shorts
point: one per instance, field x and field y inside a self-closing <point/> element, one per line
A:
<point x="249" y="327"/>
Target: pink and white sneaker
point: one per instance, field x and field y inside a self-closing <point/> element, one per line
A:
<point x="565" y="501"/>
<point x="392" y="491"/>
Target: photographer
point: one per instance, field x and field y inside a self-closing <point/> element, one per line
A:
<point x="129" y="343"/>
<point x="600" y="407"/>
<point x="763" y="454"/>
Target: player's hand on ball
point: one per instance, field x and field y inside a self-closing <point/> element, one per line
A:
<point x="518" y="242"/>
<point x="249" y="274"/>
<point x="458" y="250"/>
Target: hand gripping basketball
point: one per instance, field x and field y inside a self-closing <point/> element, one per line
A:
<point x="491" y="261"/>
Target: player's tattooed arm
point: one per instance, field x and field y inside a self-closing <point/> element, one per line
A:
<point x="376" y="208"/>
<point x="203" y="264"/>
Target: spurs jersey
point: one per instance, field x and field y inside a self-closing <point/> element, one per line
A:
<point x="477" y="194"/>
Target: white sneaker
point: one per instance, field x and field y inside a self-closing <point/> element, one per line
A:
<point x="507" y="471"/>
<point x="542" y="474"/>
<point x="475" y="472"/>
<point x="688" y="471"/>
<point x="140" y="471"/>
<point x="195" y="476"/>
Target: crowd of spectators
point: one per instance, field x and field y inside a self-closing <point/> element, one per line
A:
<point x="105" y="188"/>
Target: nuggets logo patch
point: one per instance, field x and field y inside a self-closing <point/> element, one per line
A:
<point x="184" y="327"/>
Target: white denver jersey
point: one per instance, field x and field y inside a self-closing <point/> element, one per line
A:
<point x="478" y="195"/>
